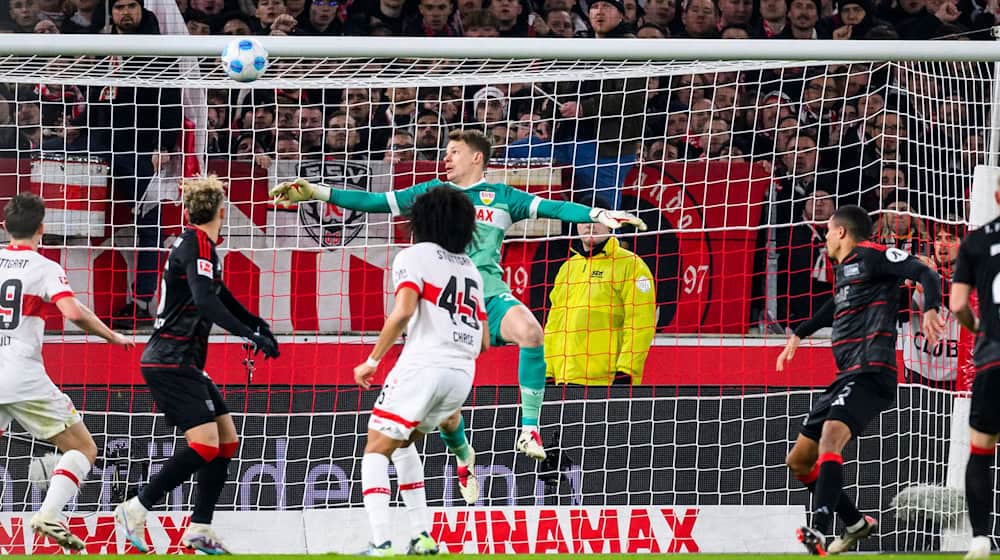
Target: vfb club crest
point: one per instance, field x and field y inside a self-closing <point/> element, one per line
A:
<point x="487" y="197"/>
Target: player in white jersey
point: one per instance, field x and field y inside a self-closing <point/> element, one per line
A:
<point x="27" y="282"/>
<point x="439" y="302"/>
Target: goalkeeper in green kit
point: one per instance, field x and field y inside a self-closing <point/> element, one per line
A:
<point x="498" y="206"/>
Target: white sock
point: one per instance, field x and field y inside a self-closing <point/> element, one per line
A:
<point x="375" y="488"/>
<point x="71" y="470"/>
<point x="410" y="473"/>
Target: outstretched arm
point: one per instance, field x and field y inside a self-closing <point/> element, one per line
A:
<point x="300" y="190"/>
<point x="580" y="214"/>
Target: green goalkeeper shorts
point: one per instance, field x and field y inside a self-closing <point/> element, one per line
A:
<point x="496" y="308"/>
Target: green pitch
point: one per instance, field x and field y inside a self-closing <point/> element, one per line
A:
<point x="576" y="557"/>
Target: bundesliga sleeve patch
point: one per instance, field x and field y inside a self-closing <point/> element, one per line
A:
<point x="205" y="268"/>
<point x="895" y="255"/>
<point x="643" y="284"/>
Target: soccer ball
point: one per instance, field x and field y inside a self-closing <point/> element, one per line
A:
<point x="244" y="60"/>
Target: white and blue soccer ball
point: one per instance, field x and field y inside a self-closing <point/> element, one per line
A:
<point x="244" y="60"/>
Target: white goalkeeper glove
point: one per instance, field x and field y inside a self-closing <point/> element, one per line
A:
<point x="292" y="192"/>
<point x="615" y="219"/>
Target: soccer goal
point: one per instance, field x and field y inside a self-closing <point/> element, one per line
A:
<point x="733" y="152"/>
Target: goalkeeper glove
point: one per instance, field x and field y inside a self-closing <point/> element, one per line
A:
<point x="292" y="192"/>
<point x="266" y="344"/>
<point x="615" y="219"/>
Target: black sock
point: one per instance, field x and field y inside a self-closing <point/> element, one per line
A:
<point x="829" y="487"/>
<point x="211" y="480"/>
<point x="177" y="469"/>
<point x="846" y="509"/>
<point x="979" y="490"/>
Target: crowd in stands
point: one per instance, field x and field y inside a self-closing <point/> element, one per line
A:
<point x="898" y="141"/>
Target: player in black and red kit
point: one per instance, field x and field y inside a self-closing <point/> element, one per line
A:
<point x="978" y="265"/>
<point x="192" y="299"/>
<point x="863" y="315"/>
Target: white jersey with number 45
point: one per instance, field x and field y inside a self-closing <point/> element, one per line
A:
<point x="27" y="281"/>
<point x="447" y="329"/>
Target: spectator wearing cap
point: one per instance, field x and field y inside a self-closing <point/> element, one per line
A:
<point x="773" y="19"/>
<point x="431" y="20"/>
<point x="88" y="18"/>
<point x="320" y="19"/>
<point x="602" y="316"/>
<point x="734" y="12"/>
<point x="607" y="20"/>
<point x="480" y="23"/>
<point x="803" y="16"/>
<point x="700" y="19"/>
<point x="853" y="20"/>
<point x="804" y="283"/>
<point x="489" y="106"/>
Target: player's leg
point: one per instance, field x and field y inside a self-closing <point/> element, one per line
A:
<point x="979" y="491"/>
<point x="519" y="326"/>
<point x="984" y="425"/>
<point x="410" y="477"/>
<point x="187" y="403"/>
<point x="453" y="434"/>
<point x="211" y="479"/>
<point x="78" y="455"/>
<point x="375" y="488"/>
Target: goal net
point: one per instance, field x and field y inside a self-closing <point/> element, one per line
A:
<point x="735" y="166"/>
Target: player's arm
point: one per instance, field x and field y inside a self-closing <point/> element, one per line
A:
<point x="82" y="316"/>
<point x="961" y="288"/>
<point x="912" y="268"/>
<point x="396" y="202"/>
<point x="211" y="307"/>
<point x="242" y="313"/>
<point x="821" y="319"/>
<point x="407" y="299"/>
<point x="525" y="206"/>
<point x="959" y="304"/>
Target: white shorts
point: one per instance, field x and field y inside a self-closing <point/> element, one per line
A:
<point x="43" y="418"/>
<point x="418" y="399"/>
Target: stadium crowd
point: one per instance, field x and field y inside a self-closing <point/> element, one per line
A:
<point x="900" y="142"/>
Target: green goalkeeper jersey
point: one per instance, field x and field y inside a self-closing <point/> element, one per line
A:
<point x="497" y="206"/>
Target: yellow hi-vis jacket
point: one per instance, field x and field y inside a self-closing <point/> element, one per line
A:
<point x="602" y="318"/>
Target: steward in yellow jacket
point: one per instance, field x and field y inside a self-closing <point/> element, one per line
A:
<point x="603" y="314"/>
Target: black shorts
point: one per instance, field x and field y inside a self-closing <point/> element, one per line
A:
<point x="186" y="396"/>
<point x="855" y="399"/>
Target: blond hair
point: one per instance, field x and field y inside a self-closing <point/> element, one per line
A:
<point x="203" y="196"/>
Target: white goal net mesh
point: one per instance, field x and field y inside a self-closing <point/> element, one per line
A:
<point x="734" y="165"/>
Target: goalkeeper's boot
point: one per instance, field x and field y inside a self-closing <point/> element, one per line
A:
<point x="423" y="545"/>
<point x="530" y="443"/>
<point x="131" y="517"/>
<point x="384" y="549"/>
<point x="848" y="539"/>
<point x="468" y="485"/>
<point x="980" y="548"/>
<point x="201" y="537"/>
<point x="812" y="540"/>
<point x="53" y="527"/>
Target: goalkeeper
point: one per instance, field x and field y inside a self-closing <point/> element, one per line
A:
<point x="498" y="206"/>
